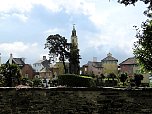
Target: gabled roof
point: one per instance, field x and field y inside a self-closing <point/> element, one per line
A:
<point x="129" y="61"/>
<point x="95" y="64"/>
<point x="46" y="63"/>
<point x="109" y="58"/>
<point x="85" y="65"/>
<point x="45" y="69"/>
<point x="18" y="61"/>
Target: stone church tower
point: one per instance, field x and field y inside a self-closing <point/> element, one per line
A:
<point x="74" y="39"/>
<point x="74" y="54"/>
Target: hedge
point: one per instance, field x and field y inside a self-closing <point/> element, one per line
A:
<point x="72" y="80"/>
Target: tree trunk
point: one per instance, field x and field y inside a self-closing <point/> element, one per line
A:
<point x="64" y="65"/>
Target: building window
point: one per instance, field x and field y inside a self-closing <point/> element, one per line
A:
<point x="26" y="75"/>
<point x="85" y="69"/>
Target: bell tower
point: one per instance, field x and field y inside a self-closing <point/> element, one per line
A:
<point x="74" y="66"/>
<point x="74" y="39"/>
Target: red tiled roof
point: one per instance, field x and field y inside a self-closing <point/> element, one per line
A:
<point x="130" y="60"/>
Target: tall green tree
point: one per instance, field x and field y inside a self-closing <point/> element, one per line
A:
<point x="58" y="47"/>
<point x="74" y="60"/>
<point x="148" y="2"/>
<point x="143" y="46"/>
<point x="11" y="74"/>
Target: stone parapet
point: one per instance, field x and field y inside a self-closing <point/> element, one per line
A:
<point x="75" y="100"/>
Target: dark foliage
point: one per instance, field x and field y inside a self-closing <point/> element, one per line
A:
<point x="137" y="79"/>
<point x="112" y="76"/>
<point x="99" y="80"/>
<point x="71" y="80"/>
<point x="123" y="78"/>
<point x="37" y="82"/>
<point x="142" y="47"/>
<point x="110" y="83"/>
<point x="58" y="47"/>
<point x="10" y="74"/>
<point x="74" y="60"/>
<point x="148" y="2"/>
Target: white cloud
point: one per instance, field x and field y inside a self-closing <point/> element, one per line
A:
<point x="109" y="40"/>
<point x="20" y="49"/>
<point x="13" y="47"/>
<point x="15" y="5"/>
<point x="17" y="8"/>
<point x="53" y="31"/>
<point x="21" y="7"/>
<point x="113" y="22"/>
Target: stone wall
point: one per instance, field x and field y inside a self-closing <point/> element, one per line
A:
<point x="75" y="101"/>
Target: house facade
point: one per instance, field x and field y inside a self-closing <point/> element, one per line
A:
<point x="131" y="67"/>
<point x="92" y="68"/>
<point x="110" y="65"/>
<point x="37" y="66"/>
<point x="26" y="70"/>
<point x="106" y="66"/>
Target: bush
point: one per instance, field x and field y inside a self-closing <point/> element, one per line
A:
<point x="72" y="80"/>
<point x="123" y="77"/>
<point x="110" y="83"/>
<point x="37" y="82"/>
<point x="137" y="79"/>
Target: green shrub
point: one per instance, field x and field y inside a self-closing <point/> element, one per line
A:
<point x="37" y="82"/>
<point x="72" y="80"/>
<point x="110" y="83"/>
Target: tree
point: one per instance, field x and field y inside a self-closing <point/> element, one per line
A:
<point x="37" y="82"/>
<point x="149" y="2"/>
<point x="1" y="80"/>
<point x="142" y="47"/>
<point x="123" y="78"/>
<point x="58" y="47"/>
<point x="74" y="60"/>
<point x="137" y="79"/>
<point x="99" y="80"/>
<point x="11" y="74"/>
<point x="112" y="76"/>
<point x="26" y="81"/>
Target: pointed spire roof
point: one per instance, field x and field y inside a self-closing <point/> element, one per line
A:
<point x="73" y="31"/>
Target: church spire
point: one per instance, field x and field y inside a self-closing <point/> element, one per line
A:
<point x="73" y="31"/>
<point x="74" y="39"/>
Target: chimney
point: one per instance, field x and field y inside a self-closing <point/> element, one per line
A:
<point x="94" y="59"/>
<point x="44" y="57"/>
<point x="10" y="59"/>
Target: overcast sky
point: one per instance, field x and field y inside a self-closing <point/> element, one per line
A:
<point x="102" y="27"/>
